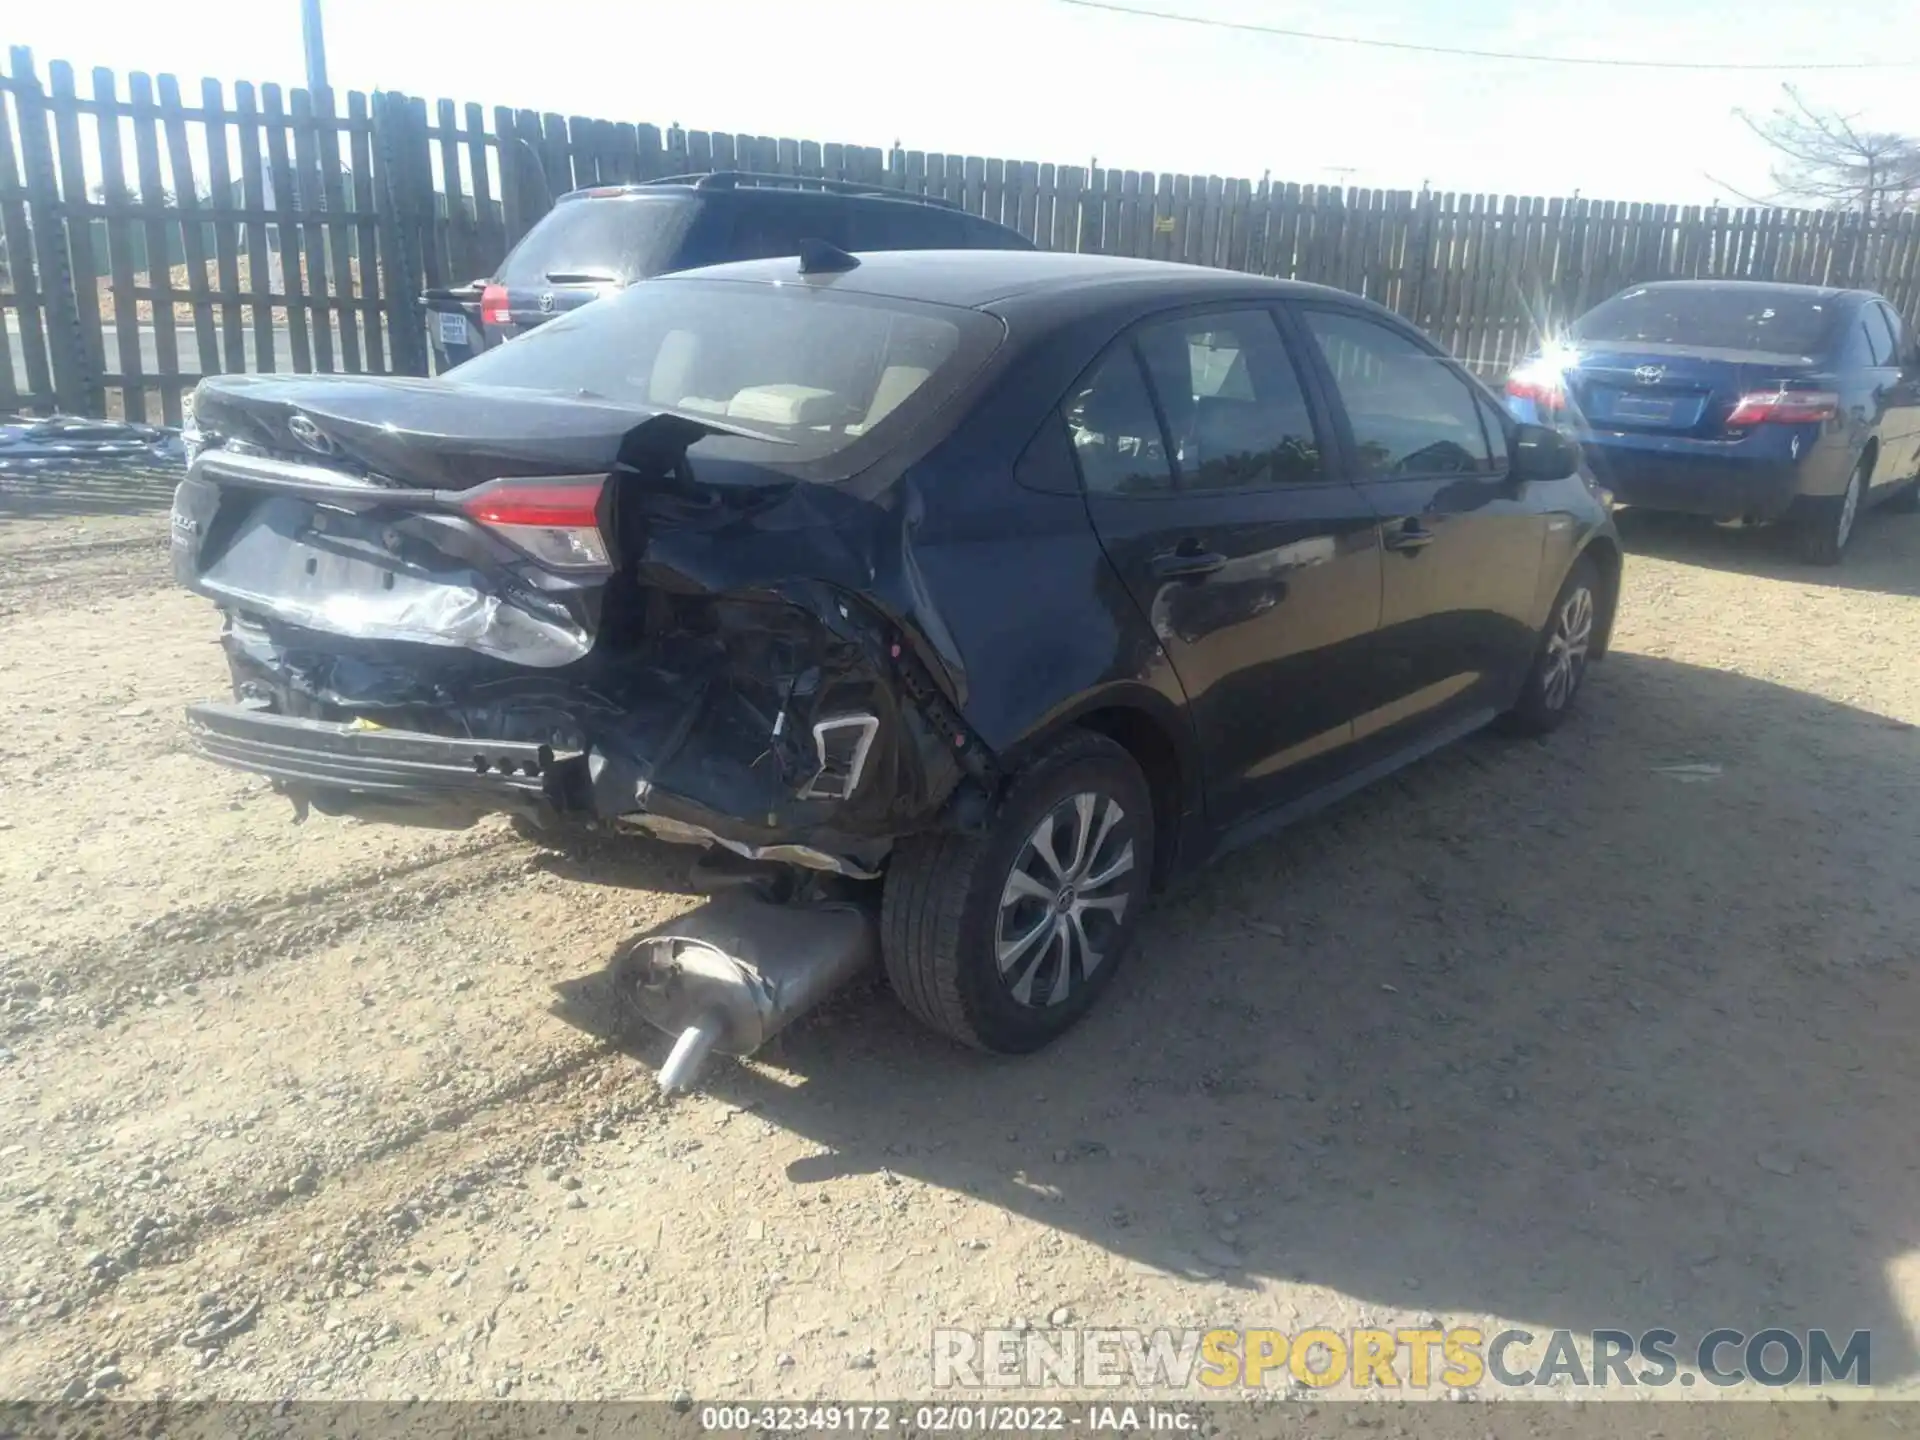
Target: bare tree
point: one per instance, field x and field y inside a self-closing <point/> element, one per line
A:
<point x="1826" y="160"/>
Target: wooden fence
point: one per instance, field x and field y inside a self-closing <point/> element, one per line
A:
<point x="306" y="225"/>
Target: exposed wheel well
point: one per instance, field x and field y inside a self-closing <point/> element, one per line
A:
<point x="1869" y="457"/>
<point x="1606" y="558"/>
<point x="1154" y="751"/>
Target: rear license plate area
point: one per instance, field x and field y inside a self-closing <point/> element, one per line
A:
<point x="453" y="327"/>
<point x="343" y="554"/>
<point x="1645" y="409"/>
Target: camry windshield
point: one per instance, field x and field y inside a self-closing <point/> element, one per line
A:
<point x="814" y="371"/>
<point x="1712" y="318"/>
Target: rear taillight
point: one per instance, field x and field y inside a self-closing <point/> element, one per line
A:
<point x="1545" y="390"/>
<point x="1784" y="407"/>
<point x="556" y="521"/>
<point x="493" y="306"/>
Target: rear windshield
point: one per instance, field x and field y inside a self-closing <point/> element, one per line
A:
<point x="1717" y="318"/>
<point x="816" y="372"/>
<point x="614" y="237"/>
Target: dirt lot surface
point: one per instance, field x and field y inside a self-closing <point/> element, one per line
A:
<point x="1619" y="1029"/>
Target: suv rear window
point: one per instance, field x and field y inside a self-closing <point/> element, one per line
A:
<point x="625" y="237"/>
<point x="1713" y="317"/>
<point x="816" y="372"/>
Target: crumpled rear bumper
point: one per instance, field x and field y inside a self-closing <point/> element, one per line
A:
<point x="376" y="772"/>
<point x="381" y="766"/>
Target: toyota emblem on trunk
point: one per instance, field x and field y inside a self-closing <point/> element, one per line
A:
<point x="546" y="302"/>
<point x="1649" y="374"/>
<point x="309" y="435"/>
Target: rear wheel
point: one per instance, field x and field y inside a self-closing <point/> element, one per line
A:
<point x="1003" y="940"/>
<point x="1822" y="536"/>
<point x="1560" y="662"/>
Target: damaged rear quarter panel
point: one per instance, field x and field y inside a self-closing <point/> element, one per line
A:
<point x="1045" y="632"/>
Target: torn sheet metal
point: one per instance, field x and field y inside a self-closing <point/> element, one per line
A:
<point x="337" y="574"/>
<point x="760" y="667"/>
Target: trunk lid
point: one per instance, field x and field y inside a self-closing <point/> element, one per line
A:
<point x="432" y="434"/>
<point x="1671" y="389"/>
<point x="415" y="511"/>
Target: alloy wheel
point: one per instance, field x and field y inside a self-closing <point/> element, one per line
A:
<point x="1567" y="646"/>
<point x="1064" y="899"/>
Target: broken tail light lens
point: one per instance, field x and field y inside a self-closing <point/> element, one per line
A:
<point x="1784" y="407"/>
<point x="555" y="521"/>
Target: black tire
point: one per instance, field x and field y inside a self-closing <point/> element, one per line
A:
<point x="1546" y="697"/>
<point x="942" y="914"/>
<point x="1826" y="529"/>
<point x="1907" y="499"/>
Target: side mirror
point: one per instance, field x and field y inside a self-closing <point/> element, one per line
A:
<point x="1543" y="454"/>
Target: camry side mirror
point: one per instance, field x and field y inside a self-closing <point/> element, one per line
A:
<point x="1543" y="454"/>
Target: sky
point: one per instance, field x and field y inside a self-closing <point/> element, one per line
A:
<point x="1048" y="81"/>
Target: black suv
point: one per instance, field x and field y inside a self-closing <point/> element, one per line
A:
<point x="604" y="238"/>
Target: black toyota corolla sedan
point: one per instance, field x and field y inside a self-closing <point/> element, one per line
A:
<point x="1015" y="582"/>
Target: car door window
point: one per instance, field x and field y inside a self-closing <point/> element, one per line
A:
<point x="1116" y="436"/>
<point x="1233" y="402"/>
<point x="1494" y="421"/>
<point x="1409" y="412"/>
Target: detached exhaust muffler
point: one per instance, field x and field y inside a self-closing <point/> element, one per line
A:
<point x="732" y="974"/>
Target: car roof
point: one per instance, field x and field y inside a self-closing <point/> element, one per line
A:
<point x="750" y="187"/>
<point x="1769" y="287"/>
<point x="976" y="279"/>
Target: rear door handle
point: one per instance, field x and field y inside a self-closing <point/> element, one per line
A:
<point x="1410" y="537"/>
<point x="1187" y="563"/>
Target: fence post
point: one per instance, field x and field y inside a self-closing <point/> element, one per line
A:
<point x="404" y="214"/>
<point x="73" y="381"/>
<point x="1414" y="307"/>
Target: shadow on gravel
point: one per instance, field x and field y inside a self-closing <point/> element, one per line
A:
<point x="626" y="862"/>
<point x="1613" y="1030"/>
<point x="1880" y="559"/>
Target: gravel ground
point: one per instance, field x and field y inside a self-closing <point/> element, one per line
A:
<point x="1612" y="1030"/>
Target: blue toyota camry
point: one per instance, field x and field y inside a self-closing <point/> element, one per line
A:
<point x="1739" y="400"/>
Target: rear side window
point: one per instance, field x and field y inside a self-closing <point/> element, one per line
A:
<point x="1881" y="339"/>
<point x="1233" y="403"/>
<point x="1857" y="347"/>
<point x="898" y="225"/>
<point x="1116" y="436"/>
<point x="1897" y="330"/>
<point x="767" y="226"/>
<point x="986" y="235"/>
<point x="1410" y="414"/>
<point x="616" y="237"/>
<point x="1724" y="317"/>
